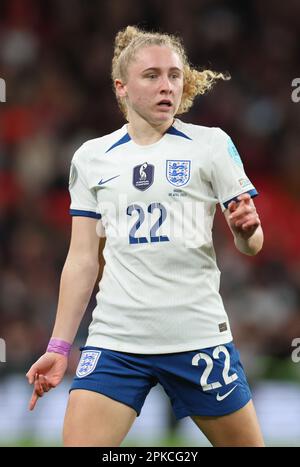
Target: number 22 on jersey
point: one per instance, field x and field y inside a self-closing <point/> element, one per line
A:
<point x="153" y="236"/>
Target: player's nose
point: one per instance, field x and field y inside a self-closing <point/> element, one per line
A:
<point x="165" y="85"/>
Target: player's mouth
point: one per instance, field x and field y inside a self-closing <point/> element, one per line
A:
<point x="165" y="104"/>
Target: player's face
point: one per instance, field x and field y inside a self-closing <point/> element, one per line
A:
<point x="154" y="85"/>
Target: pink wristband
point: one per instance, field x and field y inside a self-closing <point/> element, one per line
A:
<point x="59" y="346"/>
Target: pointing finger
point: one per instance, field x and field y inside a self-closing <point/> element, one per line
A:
<point x="33" y="400"/>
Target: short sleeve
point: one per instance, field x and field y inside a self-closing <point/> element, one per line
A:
<point x="228" y="177"/>
<point x="83" y="199"/>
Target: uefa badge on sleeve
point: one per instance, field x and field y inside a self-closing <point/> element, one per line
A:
<point x="88" y="362"/>
<point x="234" y="154"/>
<point x="73" y="175"/>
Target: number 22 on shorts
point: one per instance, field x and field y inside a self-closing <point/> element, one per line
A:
<point x="209" y="366"/>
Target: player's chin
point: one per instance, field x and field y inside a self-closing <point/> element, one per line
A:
<point x="164" y="115"/>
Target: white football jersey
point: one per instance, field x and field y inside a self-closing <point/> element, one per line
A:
<point x="159" y="292"/>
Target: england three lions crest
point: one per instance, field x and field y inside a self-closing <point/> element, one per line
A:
<point x="178" y="172"/>
<point x="88" y="362"/>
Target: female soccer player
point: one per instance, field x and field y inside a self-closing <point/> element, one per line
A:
<point x="154" y="183"/>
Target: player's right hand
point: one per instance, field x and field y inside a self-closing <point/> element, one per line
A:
<point x="46" y="373"/>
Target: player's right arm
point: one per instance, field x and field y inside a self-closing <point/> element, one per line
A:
<point x="76" y="285"/>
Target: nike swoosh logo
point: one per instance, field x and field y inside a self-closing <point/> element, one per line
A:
<point x="105" y="181"/>
<point x="220" y="398"/>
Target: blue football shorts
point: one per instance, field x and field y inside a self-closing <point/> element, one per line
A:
<point x="208" y="381"/>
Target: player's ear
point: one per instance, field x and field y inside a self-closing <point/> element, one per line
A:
<point x="120" y="88"/>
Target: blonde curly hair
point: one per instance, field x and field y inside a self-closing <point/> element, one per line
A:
<point x="130" y="39"/>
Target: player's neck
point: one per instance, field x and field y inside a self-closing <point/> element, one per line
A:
<point x="144" y="133"/>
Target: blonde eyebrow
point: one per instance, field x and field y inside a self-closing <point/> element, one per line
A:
<point x="173" y="68"/>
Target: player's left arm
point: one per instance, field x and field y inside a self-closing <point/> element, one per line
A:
<point x="245" y="225"/>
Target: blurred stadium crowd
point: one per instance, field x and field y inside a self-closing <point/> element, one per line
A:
<point x="55" y="57"/>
